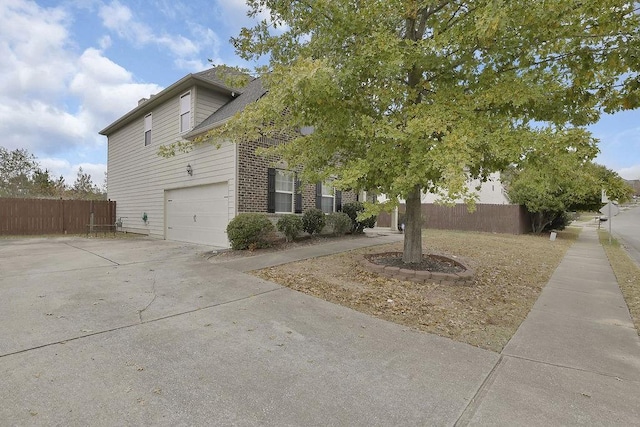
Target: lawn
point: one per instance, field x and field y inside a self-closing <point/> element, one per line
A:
<point x="627" y="273"/>
<point x="510" y="274"/>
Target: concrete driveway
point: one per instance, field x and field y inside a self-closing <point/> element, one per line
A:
<point x="148" y="332"/>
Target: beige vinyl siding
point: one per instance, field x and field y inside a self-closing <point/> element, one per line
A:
<point x="138" y="177"/>
<point x="207" y="101"/>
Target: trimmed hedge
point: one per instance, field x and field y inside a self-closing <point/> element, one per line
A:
<point x="340" y="223"/>
<point x="313" y="221"/>
<point x="290" y="225"/>
<point x="250" y="231"/>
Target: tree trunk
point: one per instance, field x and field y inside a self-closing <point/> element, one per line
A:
<point x="413" y="229"/>
<point x="539" y="221"/>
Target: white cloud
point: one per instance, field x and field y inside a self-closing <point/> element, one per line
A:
<point x="57" y="168"/>
<point x="54" y="100"/>
<point x="192" y="65"/>
<point x="33" y="42"/>
<point x="120" y="19"/>
<point x="106" y="89"/>
<point x="60" y="167"/>
<point x="632" y="172"/>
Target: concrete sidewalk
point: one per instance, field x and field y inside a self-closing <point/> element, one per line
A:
<point x="371" y="238"/>
<point x="575" y="360"/>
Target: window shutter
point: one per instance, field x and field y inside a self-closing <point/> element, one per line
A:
<point x="319" y="195"/>
<point x="271" y="190"/>
<point x="297" y="196"/>
<point x="338" y="201"/>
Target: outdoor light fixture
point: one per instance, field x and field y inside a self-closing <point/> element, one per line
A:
<point x="189" y="170"/>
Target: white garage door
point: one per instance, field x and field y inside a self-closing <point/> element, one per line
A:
<point x="198" y="214"/>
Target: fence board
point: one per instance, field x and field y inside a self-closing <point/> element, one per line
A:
<point x="511" y="219"/>
<point x="53" y="216"/>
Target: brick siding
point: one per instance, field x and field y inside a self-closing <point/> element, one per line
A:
<point x="252" y="180"/>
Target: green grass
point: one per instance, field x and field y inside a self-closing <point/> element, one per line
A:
<point x="627" y="273"/>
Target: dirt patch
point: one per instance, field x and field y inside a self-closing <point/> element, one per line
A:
<point x="510" y="272"/>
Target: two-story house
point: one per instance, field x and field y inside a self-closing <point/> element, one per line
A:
<point x="192" y="196"/>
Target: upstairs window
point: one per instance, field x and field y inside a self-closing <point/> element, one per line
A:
<point x="147" y="129"/>
<point x="185" y="112"/>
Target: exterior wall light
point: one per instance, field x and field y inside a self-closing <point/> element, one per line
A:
<point x="189" y="170"/>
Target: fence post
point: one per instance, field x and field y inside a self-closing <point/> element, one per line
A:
<point x="91" y="216"/>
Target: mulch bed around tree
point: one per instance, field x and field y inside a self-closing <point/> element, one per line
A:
<point x="434" y="263"/>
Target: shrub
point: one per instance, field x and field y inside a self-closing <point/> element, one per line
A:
<point x="290" y="225"/>
<point x="250" y="231"/>
<point x="313" y="221"/>
<point x="340" y="223"/>
<point x="353" y="209"/>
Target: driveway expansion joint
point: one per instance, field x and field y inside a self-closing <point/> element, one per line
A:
<point x="469" y="411"/>
<point x="120" y="328"/>
<point x="573" y="368"/>
<point x="92" y="253"/>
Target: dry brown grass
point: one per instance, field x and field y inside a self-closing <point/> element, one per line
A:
<point x="627" y="273"/>
<point x="510" y="273"/>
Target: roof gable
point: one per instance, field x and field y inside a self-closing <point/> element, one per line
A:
<point x="209" y="79"/>
<point x="251" y="93"/>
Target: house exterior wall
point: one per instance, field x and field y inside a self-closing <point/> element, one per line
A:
<point x="252" y="177"/>
<point x="253" y="185"/>
<point x="138" y="177"/>
<point x="205" y="102"/>
<point x="490" y="193"/>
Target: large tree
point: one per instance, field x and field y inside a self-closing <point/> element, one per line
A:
<point x="17" y="169"/>
<point x="84" y="188"/>
<point x="551" y="179"/>
<point x="407" y="96"/>
<point x="22" y="176"/>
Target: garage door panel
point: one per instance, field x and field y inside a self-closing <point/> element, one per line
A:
<point x="198" y="214"/>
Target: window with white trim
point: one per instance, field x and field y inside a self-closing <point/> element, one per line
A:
<point x="147" y="129"/>
<point x="328" y="198"/>
<point x="185" y="112"/>
<point x="285" y="187"/>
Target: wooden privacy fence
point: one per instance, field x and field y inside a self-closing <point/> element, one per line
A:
<point x="511" y="219"/>
<point x="53" y="216"/>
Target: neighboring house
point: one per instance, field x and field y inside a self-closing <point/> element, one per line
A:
<point x="635" y="184"/>
<point x="491" y="192"/>
<point x="192" y="196"/>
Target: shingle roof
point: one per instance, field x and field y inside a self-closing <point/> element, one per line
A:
<point x="250" y="93"/>
<point x="212" y="75"/>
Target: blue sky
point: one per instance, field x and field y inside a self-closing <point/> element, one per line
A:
<point x="69" y="68"/>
